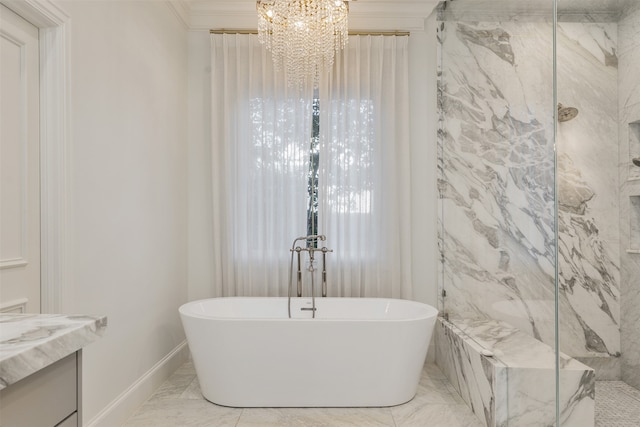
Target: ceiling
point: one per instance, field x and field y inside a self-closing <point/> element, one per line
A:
<point x="392" y="15"/>
<point x="589" y="10"/>
<point x="364" y="15"/>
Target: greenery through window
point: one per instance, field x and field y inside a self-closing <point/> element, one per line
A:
<point x="312" y="183"/>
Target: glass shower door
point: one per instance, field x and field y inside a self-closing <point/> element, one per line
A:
<point x="497" y="204"/>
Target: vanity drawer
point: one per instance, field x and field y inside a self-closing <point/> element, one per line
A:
<point x="43" y="399"/>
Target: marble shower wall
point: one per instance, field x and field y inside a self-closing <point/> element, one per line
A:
<point x="588" y="194"/>
<point x="496" y="157"/>
<point x="629" y="128"/>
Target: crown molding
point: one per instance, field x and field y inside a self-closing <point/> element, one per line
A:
<point x="41" y="13"/>
<point x="364" y="15"/>
<point x="181" y="10"/>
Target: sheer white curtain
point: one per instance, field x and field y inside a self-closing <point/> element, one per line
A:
<point x="261" y="134"/>
<point x="364" y="168"/>
<point x="261" y="138"/>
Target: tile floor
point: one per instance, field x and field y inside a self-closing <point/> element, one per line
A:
<point x="178" y="402"/>
<point x="617" y="404"/>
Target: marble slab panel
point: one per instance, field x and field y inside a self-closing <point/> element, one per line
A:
<point x="531" y="396"/>
<point x="628" y="47"/>
<point x="509" y="378"/>
<point x="471" y="374"/>
<point x="30" y="342"/>
<point x="497" y="182"/>
<point x="606" y="368"/>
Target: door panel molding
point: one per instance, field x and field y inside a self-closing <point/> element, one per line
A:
<point x="20" y="160"/>
<point x="14" y="161"/>
<point x="55" y="177"/>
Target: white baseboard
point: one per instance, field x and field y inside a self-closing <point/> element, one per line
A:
<point x="122" y="407"/>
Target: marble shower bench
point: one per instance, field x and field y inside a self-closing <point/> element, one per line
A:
<point x="508" y="378"/>
<point x="40" y="367"/>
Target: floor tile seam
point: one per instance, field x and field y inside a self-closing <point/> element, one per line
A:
<point x="393" y="418"/>
<point x="239" y="417"/>
<point x="442" y="399"/>
<point x="448" y="388"/>
<point x="163" y="398"/>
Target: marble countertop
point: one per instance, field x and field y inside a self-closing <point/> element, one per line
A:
<point x="30" y="342"/>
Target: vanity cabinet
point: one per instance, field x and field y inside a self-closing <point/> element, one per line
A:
<point x="46" y="398"/>
<point x="41" y="366"/>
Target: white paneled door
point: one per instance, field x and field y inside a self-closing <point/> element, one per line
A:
<point x="19" y="165"/>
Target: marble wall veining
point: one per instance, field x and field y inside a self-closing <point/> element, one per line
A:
<point x="496" y="159"/>
<point x="589" y="255"/>
<point x="629" y="113"/>
<point x="507" y="377"/>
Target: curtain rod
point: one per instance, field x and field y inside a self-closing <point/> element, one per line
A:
<point x="351" y="33"/>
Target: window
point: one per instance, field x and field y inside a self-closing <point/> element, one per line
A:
<point x="333" y="162"/>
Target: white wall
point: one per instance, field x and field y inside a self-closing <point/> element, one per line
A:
<point x="128" y="206"/>
<point x="423" y="175"/>
<point x="200" y="192"/>
<point x="424" y="153"/>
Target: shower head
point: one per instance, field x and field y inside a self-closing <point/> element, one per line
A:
<point x="636" y="161"/>
<point x="566" y="113"/>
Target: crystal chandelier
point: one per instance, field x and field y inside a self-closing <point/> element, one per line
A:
<point x="303" y="35"/>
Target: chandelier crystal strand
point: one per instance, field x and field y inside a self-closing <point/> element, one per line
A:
<point x="303" y="36"/>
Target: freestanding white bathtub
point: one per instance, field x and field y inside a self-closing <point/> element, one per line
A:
<point x="357" y="352"/>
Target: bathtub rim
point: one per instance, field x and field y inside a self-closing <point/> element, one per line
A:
<point x="430" y="311"/>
